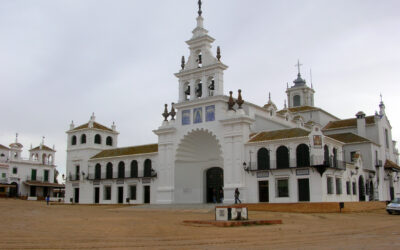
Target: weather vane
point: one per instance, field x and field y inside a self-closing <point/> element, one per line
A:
<point x="200" y="12"/>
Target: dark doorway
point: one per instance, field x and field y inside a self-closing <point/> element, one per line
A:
<point x="33" y="191"/>
<point x="120" y="194"/>
<point x="304" y="189"/>
<point x="371" y="191"/>
<point x="263" y="191"/>
<point x="13" y="190"/>
<point x="146" y="194"/>
<point x="391" y="193"/>
<point x="214" y="183"/>
<point x="76" y="195"/>
<point x="45" y="191"/>
<point x="96" y="195"/>
<point x="361" y="189"/>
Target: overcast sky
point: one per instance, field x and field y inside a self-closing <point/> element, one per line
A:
<point x="62" y="60"/>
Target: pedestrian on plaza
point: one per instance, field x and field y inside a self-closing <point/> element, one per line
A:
<point x="237" y="193"/>
<point x="221" y="195"/>
<point x="47" y="199"/>
<point x="214" y="195"/>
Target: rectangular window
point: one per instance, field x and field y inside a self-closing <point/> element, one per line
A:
<point x="15" y="170"/>
<point x="329" y="182"/>
<point x="354" y="188"/>
<point x="2" y="189"/>
<point x="33" y="175"/>
<point x="132" y="194"/>
<point x="46" y="175"/>
<point x="107" y="193"/>
<point x="387" y="138"/>
<point x="376" y="158"/>
<point x="338" y="186"/>
<point x="77" y="170"/>
<point x="348" y="190"/>
<point x="352" y="154"/>
<point x="3" y="175"/>
<point x="283" y="188"/>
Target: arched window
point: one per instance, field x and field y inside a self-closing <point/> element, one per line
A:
<point x="83" y="139"/>
<point x="2" y="155"/>
<point x="73" y="140"/>
<point x="147" y="168"/>
<point x="186" y="90"/>
<point x="326" y="155"/>
<point x="44" y="159"/>
<point x="109" y="141"/>
<point x="282" y="157"/>
<point x="134" y="169"/>
<point x="303" y="155"/>
<point x="97" y="139"/>
<point x="199" y="89"/>
<point x="335" y="161"/>
<point x="296" y="101"/>
<point x="199" y="60"/>
<point x="262" y="159"/>
<point x="50" y="159"/>
<point x="121" y="169"/>
<point x="97" y="171"/>
<point x="109" y="171"/>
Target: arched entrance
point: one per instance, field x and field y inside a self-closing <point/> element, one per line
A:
<point x="198" y="157"/>
<point x="214" y="184"/>
<point x="361" y="189"/>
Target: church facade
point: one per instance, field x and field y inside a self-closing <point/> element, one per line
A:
<point x="209" y="144"/>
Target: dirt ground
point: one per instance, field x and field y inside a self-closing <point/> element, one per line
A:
<point x="33" y="225"/>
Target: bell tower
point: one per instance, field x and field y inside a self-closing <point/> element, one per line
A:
<point x="201" y="76"/>
<point x="300" y="94"/>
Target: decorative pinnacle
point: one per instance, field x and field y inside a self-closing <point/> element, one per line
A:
<point x="16" y="138"/>
<point x="165" y="114"/>
<point x="200" y="12"/>
<point x="231" y="102"/>
<point x="183" y="62"/>
<point x="172" y="113"/>
<point x="219" y="53"/>
<point x="240" y="101"/>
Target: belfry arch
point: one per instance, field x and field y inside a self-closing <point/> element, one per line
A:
<point x="197" y="152"/>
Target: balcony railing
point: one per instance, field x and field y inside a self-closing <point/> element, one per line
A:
<point x="314" y="161"/>
<point x="74" y="177"/>
<point x="37" y="178"/>
<point x="116" y="175"/>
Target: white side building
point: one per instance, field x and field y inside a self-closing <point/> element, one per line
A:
<point x="33" y="177"/>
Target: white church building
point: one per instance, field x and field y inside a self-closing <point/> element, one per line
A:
<point x="209" y="144"/>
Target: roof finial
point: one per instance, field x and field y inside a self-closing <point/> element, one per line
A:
<point x="200" y="12"/>
<point x="43" y="140"/>
<point x="311" y="79"/>
<point x="381" y="98"/>
<point x="218" y="53"/>
<point x="183" y="63"/>
<point x="269" y="96"/>
<point x="16" y="137"/>
<point x="298" y="66"/>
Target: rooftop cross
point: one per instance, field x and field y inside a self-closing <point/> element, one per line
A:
<point x="200" y="12"/>
<point x="298" y="66"/>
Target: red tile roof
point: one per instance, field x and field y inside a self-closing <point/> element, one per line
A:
<point x="4" y="147"/>
<point x="348" y="123"/>
<point x="348" y="138"/>
<point x="95" y="125"/>
<point x="44" y="147"/>
<point x="144" y="149"/>
<point x="391" y="165"/>
<point x="280" y="134"/>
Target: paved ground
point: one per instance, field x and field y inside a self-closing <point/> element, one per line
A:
<point x="31" y="224"/>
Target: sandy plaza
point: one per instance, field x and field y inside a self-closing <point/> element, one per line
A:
<point x="33" y="225"/>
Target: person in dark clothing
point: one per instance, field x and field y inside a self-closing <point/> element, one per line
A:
<point x="47" y="199"/>
<point x="237" y="193"/>
<point x="221" y="195"/>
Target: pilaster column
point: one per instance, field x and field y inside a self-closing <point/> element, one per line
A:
<point x="192" y="89"/>
<point x="204" y="88"/>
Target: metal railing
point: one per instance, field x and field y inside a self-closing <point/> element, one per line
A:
<point x="314" y="161"/>
<point x="117" y="175"/>
<point x="37" y="178"/>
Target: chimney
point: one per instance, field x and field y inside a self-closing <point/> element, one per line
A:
<point x="361" y="130"/>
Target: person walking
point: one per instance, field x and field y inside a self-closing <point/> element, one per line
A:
<point x="47" y="199"/>
<point x="221" y="195"/>
<point x="237" y="193"/>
